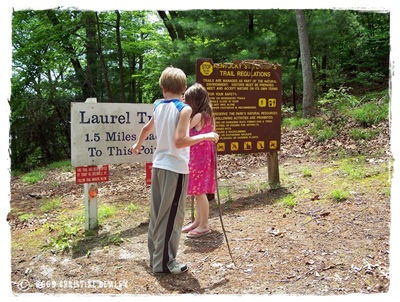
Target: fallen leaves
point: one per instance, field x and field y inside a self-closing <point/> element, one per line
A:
<point x="277" y="250"/>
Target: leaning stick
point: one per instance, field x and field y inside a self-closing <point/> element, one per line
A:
<point x="219" y="203"/>
<point x="192" y="208"/>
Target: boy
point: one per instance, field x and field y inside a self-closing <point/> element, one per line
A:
<point x="171" y="119"/>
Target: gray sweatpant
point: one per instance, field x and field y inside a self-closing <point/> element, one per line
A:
<point x="167" y="211"/>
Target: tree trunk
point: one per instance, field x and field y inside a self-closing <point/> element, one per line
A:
<point x="132" y="81"/>
<point x="179" y="30"/>
<point x="168" y="24"/>
<point x="139" y="88"/>
<point x="294" y="82"/>
<point x="91" y="53"/>
<point x="79" y="72"/>
<point x="251" y="24"/>
<point x="324" y="64"/>
<point x="306" y="67"/>
<point x="103" y="63"/>
<point x="120" y="57"/>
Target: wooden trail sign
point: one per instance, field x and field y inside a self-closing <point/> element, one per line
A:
<point x="246" y="97"/>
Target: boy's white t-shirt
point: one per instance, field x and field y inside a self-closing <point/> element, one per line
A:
<point x="167" y="156"/>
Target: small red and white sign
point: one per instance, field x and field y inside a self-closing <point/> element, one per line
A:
<point x="91" y="174"/>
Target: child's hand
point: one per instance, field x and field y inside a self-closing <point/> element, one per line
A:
<point x="135" y="149"/>
<point x="213" y="136"/>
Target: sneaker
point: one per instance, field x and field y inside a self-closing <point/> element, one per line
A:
<point x="178" y="269"/>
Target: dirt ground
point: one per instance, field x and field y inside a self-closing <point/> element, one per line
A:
<point x="320" y="246"/>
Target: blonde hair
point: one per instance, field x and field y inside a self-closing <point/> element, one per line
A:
<point x="173" y="80"/>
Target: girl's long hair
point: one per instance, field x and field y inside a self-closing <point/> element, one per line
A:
<point x="196" y="96"/>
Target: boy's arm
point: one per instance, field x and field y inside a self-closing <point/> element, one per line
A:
<point x="144" y="133"/>
<point x="182" y="140"/>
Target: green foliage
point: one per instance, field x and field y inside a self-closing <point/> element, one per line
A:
<point x="363" y="134"/>
<point x="296" y="122"/>
<point x="370" y="114"/>
<point x="105" y="212"/>
<point x="48" y="205"/>
<point x="115" y="239"/>
<point x="64" y="165"/>
<point x="257" y="186"/>
<point x="307" y="172"/>
<point x="318" y="125"/>
<point x="33" y="176"/>
<point x="332" y="104"/>
<point x="56" y="60"/>
<point x="226" y="193"/>
<point x="325" y="134"/>
<point x="132" y="208"/>
<point x="288" y="201"/>
<point x="339" y="98"/>
<point x="63" y="240"/>
<point x="352" y="169"/>
<point x="25" y="216"/>
<point x="340" y="195"/>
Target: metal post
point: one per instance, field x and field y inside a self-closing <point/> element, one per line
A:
<point x="90" y="195"/>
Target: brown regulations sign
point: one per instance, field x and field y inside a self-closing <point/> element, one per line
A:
<point x="246" y="98"/>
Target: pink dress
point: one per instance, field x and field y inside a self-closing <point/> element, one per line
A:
<point x="202" y="163"/>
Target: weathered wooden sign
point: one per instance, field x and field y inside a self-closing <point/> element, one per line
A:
<point x="103" y="133"/>
<point x="246" y="99"/>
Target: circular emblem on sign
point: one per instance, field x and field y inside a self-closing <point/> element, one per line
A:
<point x="93" y="191"/>
<point x="206" y="68"/>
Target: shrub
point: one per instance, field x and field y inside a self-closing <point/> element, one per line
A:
<point x="370" y="114"/>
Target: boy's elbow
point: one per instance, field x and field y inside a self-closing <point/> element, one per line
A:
<point x="179" y="145"/>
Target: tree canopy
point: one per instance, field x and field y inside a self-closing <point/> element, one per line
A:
<point x="62" y="56"/>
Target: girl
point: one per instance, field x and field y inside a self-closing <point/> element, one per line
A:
<point x="202" y="163"/>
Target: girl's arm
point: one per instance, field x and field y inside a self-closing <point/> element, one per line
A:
<point x="195" y="120"/>
<point x="183" y="140"/>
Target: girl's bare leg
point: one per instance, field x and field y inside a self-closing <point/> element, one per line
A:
<point x="202" y="212"/>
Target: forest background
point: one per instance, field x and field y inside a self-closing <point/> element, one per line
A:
<point x="344" y="55"/>
<point x="62" y="56"/>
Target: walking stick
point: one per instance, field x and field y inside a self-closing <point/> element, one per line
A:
<point x="219" y="203"/>
<point x="192" y="208"/>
